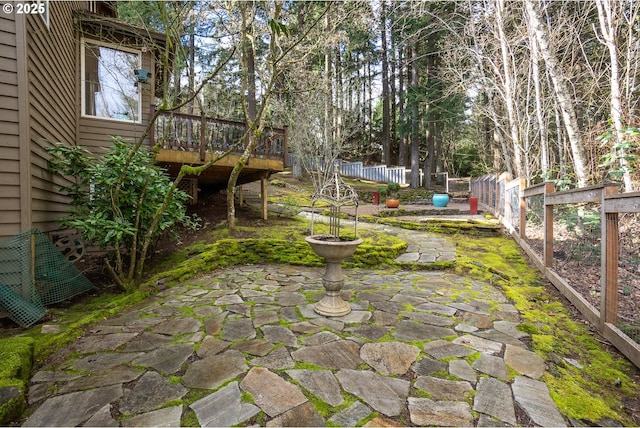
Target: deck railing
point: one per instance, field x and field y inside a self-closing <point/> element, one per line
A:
<point x="178" y="131"/>
<point x="577" y="231"/>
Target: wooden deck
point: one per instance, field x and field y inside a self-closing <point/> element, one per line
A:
<point x="193" y="140"/>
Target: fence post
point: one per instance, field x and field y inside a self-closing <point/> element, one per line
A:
<point x="548" y="227"/>
<point x="609" y="262"/>
<point x="523" y="210"/>
<point x="610" y="292"/>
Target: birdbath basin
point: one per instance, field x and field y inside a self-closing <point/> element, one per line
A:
<point x="334" y="251"/>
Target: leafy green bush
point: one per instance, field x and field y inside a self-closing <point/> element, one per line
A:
<point x="121" y="201"/>
<point x="393" y="190"/>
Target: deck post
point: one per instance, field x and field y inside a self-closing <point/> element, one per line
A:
<point x="263" y="194"/>
<point x="609" y="306"/>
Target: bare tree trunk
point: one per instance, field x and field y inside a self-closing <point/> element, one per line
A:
<point x="609" y="28"/>
<point x="249" y="78"/>
<point x="498" y="139"/>
<point x="402" y="147"/>
<point x="386" y="144"/>
<point x="192" y="73"/>
<point x="297" y="168"/>
<point x="562" y="93"/>
<point x="393" y="135"/>
<point x="415" y="139"/>
<point x="439" y="157"/>
<point x="338" y="121"/>
<point x="328" y="105"/>
<point x="428" y="161"/>
<point x="560" y="144"/>
<point x="509" y="88"/>
<point x="370" y="99"/>
<point x="542" y="125"/>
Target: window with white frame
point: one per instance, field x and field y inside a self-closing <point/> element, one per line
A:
<point x="109" y="84"/>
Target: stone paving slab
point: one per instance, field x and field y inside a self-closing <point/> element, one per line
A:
<point x="321" y="383"/>
<point x="150" y="392"/>
<point x="350" y="416"/>
<point x="272" y="394"/>
<point x="224" y="408"/>
<point x="386" y="395"/>
<point x="167" y="417"/>
<point x="389" y="358"/>
<point x="74" y="408"/>
<point x="424" y="411"/>
<point x="252" y="351"/>
<point x="533" y="397"/>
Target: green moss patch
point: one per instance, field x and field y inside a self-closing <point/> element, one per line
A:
<point x="282" y="246"/>
<point x="597" y="386"/>
<point x="12" y="401"/>
<point x="73" y="320"/>
<point x="436" y="225"/>
<point x="16" y="359"/>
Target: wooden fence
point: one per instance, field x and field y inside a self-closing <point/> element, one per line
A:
<point x="511" y="201"/>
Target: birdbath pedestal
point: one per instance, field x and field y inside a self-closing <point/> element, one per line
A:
<point x="334" y="247"/>
<point x="334" y="251"/>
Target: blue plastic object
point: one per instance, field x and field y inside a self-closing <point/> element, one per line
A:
<point x="440" y="199"/>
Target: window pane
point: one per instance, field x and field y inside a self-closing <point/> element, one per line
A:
<point x="110" y="83"/>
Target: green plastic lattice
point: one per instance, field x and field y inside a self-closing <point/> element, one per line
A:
<point x="34" y="273"/>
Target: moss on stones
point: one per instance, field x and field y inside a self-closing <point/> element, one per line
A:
<point x="376" y="250"/>
<point x="591" y="391"/>
<point x="435" y="225"/>
<point x="16" y="359"/>
<point x="12" y="401"/>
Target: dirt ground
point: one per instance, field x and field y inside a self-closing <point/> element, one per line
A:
<point x="212" y="211"/>
<point x="577" y="259"/>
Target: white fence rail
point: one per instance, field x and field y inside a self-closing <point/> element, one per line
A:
<point x="380" y="173"/>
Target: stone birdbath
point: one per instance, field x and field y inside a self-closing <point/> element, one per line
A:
<point x="333" y="247"/>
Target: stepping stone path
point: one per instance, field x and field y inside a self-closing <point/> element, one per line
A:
<point x="243" y="346"/>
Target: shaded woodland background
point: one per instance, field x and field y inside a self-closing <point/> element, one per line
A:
<point x="546" y="90"/>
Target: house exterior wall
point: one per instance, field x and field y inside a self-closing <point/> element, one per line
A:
<point x="9" y="129"/>
<point x="52" y="55"/>
<point x="40" y="96"/>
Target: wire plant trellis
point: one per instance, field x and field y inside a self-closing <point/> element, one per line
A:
<point x="333" y="247"/>
<point x="337" y="194"/>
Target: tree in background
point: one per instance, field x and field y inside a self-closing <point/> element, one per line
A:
<point x="527" y="84"/>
